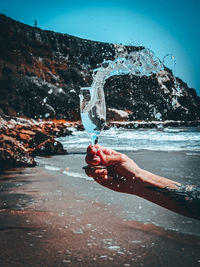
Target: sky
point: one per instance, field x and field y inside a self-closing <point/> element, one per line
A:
<point x="167" y="27"/>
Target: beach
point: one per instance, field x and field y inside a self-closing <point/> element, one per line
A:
<point x="54" y="215"/>
<point x="135" y="100"/>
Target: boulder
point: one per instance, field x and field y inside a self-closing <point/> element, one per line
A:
<point x="117" y="114"/>
<point x="13" y="153"/>
<point x="49" y="147"/>
<point x="22" y="139"/>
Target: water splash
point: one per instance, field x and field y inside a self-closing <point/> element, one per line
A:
<point x="139" y="63"/>
<point x="170" y="61"/>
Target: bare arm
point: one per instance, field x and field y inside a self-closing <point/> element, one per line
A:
<point x="124" y="175"/>
<point x="183" y="199"/>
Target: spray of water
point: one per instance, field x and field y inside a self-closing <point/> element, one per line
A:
<point x="137" y="63"/>
<point x="169" y="59"/>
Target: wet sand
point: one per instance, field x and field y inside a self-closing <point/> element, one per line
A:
<point x="51" y="218"/>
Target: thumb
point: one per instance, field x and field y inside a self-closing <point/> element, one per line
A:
<point x="109" y="160"/>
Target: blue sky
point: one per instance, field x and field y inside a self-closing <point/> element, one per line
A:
<point x="165" y="26"/>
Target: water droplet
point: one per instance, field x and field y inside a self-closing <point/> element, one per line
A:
<point x="103" y="256"/>
<point x="66" y="261"/>
<point x="158" y="116"/>
<point x="47" y="115"/>
<point x="114" y="247"/>
<point x="45" y="100"/>
<point x="78" y="231"/>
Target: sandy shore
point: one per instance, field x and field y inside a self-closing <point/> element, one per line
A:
<point x="51" y="218"/>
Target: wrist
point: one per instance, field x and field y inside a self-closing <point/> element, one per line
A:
<point x="148" y="181"/>
<point x="135" y="182"/>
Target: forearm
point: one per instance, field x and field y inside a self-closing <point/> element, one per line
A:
<point x="169" y="194"/>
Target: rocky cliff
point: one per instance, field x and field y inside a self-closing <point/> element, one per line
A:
<point x="41" y="73"/>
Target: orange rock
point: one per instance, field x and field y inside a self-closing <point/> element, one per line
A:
<point x="19" y="143"/>
<point x="24" y="137"/>
<point x="27" y="132"/>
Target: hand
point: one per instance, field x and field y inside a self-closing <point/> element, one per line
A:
<point x="121" y="173"/>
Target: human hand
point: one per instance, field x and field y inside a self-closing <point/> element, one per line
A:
<point x="121" y="173"/>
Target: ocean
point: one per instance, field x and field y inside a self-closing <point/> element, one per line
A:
<point x="164" y="139"/>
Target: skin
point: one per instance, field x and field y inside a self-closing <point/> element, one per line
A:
<point x="123" y="175"/>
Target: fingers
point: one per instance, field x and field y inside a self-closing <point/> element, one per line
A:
<point x="107" y="151"/>
<point x="97" y="154"/>
<point x="96" y="173"/>
<point x="92" y="160"/>
<point x="100" y="176"/>
<point x="92" y="150"/>
<point x="91" y="157"/>
<point x="109" y="160"/>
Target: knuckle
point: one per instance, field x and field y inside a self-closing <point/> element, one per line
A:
<point x="92" y="160"/>
<point x="122" y="157"/>
<point x="91" y="150"/>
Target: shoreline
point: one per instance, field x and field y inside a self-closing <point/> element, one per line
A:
<point x="153" y="124"/>
<point x="24" y="139"/>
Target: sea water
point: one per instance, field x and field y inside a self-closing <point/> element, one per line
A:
<point x="167" y="139"/>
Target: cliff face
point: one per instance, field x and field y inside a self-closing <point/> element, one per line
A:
<point x="41" y="73"/>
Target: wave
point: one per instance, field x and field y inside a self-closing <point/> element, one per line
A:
<point x="173" y="139"/>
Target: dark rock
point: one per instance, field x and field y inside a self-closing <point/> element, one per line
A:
<point x="14" y="154"/>
<point x="49" y="147"/>
<point x="21" y="140"/>
<point x="117" y="115"/>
